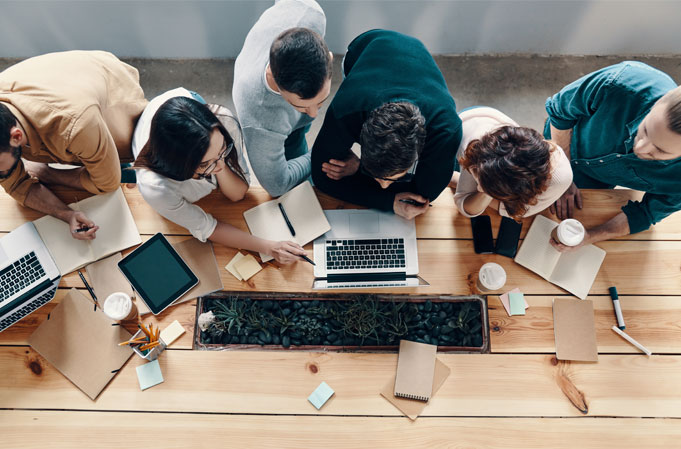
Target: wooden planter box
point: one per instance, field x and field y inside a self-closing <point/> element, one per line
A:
<point x="480" y="301"/>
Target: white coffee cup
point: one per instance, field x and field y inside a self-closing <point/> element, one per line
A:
<point x="569" y="232"/>
<point x="119" y="307"/>
<point x="491" y="277"/>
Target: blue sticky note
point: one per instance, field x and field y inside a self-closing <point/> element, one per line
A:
<point x="149" y="374"/>
<point x="516" y="303"/>
<point x="321" y="394"/>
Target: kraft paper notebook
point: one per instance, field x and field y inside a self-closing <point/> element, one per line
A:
<point x="117" y="231"/>
<point x="415" y="370"/>
<point x="409" y="407"/>
<point x="303" y="211"/>
<point x="575" y="330"/>
<point x="575" y="271"/>
<point x="81" y="343"/>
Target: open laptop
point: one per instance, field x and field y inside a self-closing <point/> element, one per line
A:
<point x="28" y="275"/>
<point x="366" y="249"/>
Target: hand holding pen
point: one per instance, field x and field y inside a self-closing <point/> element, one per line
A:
<point x="82" y="228"/>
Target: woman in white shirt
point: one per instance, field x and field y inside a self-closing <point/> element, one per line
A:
<point x="507" y="167"/>
<point x="183" y="151"/>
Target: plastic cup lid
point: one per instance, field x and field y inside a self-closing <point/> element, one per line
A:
<point x="492" y="275"/>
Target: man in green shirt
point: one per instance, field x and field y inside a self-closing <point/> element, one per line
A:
<point x="620" y="126"/>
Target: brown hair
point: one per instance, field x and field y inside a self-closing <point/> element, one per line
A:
<point x="673" y="100"/>
<point x="512" y="164"/>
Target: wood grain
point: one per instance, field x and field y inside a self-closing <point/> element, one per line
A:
<point x="279" y="382"/>
<point x="69" y="429"/>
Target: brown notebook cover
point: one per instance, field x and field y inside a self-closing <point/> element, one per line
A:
<point x="82" y="343"/>
<point x="415" y="370"/>
<point x="575" y="330"/>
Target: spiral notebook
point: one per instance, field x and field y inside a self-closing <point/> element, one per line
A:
<point x="415" y="370"/>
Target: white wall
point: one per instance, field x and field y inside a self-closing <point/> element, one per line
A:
<point x="216" y="29"/>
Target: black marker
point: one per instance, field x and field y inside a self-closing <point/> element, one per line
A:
<point x="288" y="223"/>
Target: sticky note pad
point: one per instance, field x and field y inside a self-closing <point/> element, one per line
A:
<point x="149" y="374"/>
<point x="516" y="303"/>
<point x="247" y="267"/>
<point x="172" y="332"/>
<point x="321" y="394"/>
<point x="504" y="301"/>
<point x="230" y="266"/>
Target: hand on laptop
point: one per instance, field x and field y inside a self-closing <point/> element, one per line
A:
<point x="337" y="169"/>
<point x="407" y="210"/>
<point x="286" y="252"/>
<point x="82" y="228"/>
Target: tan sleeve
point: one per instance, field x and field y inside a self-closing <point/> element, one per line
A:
<point x="18" y="183"/>
<point x="94" y="146"/>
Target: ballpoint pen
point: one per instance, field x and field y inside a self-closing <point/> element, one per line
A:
<point x="288" y="222"/>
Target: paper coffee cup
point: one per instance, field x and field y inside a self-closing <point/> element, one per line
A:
<point x="491" y="277"/>
<point x="119" y="307"/>
<point x="569" y="232"/>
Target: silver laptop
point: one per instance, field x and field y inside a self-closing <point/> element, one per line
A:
<point x="366" y="249"/>
<point x="28" y="275"/>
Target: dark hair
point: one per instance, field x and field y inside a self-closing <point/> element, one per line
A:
<point x="300" y="62"/>
<point x="392" y="138"/>
<point x="179" y="138"/>
<point x="7" y="121"/>
<point x="512" y="164"/>
<point x="673" y="101"/>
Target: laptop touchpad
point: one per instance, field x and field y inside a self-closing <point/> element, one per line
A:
<point x="364" y="224"/>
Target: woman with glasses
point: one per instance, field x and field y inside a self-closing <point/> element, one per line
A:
<point x="507" y="167"/>
<point x="185" y="149"/>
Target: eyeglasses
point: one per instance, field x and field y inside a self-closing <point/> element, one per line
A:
<point x="226" y="150"/>
<point x="407" y="177"/>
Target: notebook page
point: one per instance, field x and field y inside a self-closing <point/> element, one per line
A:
<point x="117" y="228"/>
<point x="67" y="252"/>
<point x="577" y="270"/>
<point x="536" y="252"/>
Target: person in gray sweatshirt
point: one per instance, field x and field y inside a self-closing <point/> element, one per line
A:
<point x="281" y="78"/>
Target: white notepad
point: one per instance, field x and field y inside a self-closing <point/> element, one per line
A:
<point x="575" y="271"/>
<point x="303" y="210"/>
<point x="117" y="231"/>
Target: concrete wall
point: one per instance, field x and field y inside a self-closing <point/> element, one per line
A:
<point x="216" y="29"/>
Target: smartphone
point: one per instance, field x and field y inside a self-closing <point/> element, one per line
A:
<point x="508" y="237"/>
<point x="483" y="242"/>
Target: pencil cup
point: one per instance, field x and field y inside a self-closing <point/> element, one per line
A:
<point x="149" y="354"/>
<point x="119" y="307"/>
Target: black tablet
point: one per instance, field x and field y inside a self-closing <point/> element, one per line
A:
<point x="157" y="273"/>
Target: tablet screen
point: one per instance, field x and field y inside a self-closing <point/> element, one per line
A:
<point x="157" y="273"/>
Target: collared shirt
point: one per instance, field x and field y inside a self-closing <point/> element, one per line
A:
<point x="604" y="110"/>
<point x="76" y="107"/>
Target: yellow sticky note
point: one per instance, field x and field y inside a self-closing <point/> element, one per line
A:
<point x="230" y="266"/>
<point x="172" y="332"/>
<point x="247" y="267"/>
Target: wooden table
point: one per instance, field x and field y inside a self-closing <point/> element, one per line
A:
<point x="517" y="396"/>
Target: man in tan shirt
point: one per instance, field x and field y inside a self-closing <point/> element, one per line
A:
<point x="77" y="108"/>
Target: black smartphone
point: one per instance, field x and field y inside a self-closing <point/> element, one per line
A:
<point x="483" y="242"/>
<point x="507" y="239"/>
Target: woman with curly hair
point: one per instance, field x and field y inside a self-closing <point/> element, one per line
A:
<point x="507" y="167"/>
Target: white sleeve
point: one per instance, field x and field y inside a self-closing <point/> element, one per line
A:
<point x="177" y="209"/>
<point x="466" y="187"/>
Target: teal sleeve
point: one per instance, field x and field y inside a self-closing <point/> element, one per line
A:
<point x="580" y="98"/>
<point x="650" y="210"/>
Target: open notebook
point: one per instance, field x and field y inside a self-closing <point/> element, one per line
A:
<point x="575" y="271"/>
<point x="303" y="211"/>
<point x="117" y="231"/>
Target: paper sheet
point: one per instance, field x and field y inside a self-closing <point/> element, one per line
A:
<point x="320" y="395"/>
<point x="504" y="301"/>
<point x="517" y="303"/>
<point x="230" y="266"/>
<point x="247" y="267"/>
<point x="172" y="332"/>
<point x="149" y="375"/>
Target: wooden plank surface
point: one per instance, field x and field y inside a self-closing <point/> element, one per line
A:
<point x="185" y="313"/>
<point x="265" y="382"/>
<point x="69" y="429"/>
<point x="442" y="221"/>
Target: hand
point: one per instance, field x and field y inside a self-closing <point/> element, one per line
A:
<point x="36" y="169"/>
<point x="285" y="252"/>
<point x="588" y="237"/>
<point x="338" y="169"/>
<point x="564" y="207"/>
<point x="406" y="210"/>
<point x="79" y="220"/>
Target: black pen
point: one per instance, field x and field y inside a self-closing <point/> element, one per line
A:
<point x="89" y="289"/>
<point x="83" y="229"/>
<point x="288" y="223"/>
<point x="414" y="202"/>
<point x="308" y="259"/>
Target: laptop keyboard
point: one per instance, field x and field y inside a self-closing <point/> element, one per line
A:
<point x="19" y="275"/>
<point x="365" y="254"/>
<point x="28" y="308"/>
